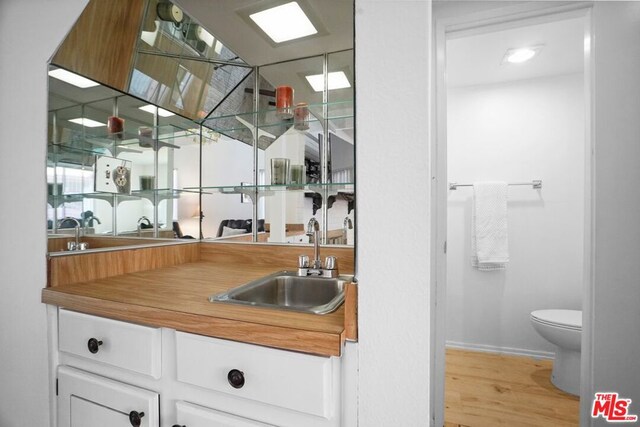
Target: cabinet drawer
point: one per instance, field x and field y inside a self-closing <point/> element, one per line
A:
<point x="125" y="345"/>
<point x="276" y="377"/>
<point x="198" y="416"/>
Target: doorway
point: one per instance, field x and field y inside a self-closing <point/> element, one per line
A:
<point x="519" y="123"/>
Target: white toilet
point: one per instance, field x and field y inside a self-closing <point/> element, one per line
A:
<point x="562" y="328"/>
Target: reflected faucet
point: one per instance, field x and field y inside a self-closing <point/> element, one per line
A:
<point x="140" y="220"/>
<point x="346" y="226"/>
<point x="88" y="221"/>
<point x="71" y="245"/>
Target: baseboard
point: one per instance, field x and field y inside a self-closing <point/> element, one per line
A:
<point x="501" y="350"/>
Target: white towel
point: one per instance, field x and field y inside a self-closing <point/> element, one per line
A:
<point x="489" y="242"/>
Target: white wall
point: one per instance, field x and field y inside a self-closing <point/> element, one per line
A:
<point x="225" y="162"/>
<point x="393" y="241"/>
<point x="616" y="303"/>
<point x="23" y="103"/>
<point x="516" y="132"/>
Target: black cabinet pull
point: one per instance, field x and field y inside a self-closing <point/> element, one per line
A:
<point x="94" y="345"/>
<point x="135" y="418"/>
<point x="236" y="378"/>
<point x="176" y="425"/>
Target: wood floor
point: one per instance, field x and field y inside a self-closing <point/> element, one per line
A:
<point x="485" y="389"/>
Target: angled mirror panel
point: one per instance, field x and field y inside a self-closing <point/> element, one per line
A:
<point x="186" y="38"/>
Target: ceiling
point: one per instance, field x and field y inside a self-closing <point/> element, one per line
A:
<point x="226" y="20"/>
<point x="477" y="59"/>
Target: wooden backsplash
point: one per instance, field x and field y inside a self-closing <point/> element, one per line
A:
<point x="279" y="256"/>
<point x="85" y="267"/>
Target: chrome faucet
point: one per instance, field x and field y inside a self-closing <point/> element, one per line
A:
<point x="73" y="246"/>
<point x="315" y="268"/>
<point x="346" y="226"/>
<point x="313" y="229"/>
<point x="142" y="218"/>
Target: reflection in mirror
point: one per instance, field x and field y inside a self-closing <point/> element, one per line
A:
<point x="340" y="95"/>
<point x="152" y="144"/>
<point x="195" y="146"/>
<point x="287" y="212"/>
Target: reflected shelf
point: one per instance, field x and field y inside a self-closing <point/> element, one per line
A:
<point x="102" y="143"/>
<point x="323" y="190"/>
<point x="340" y="113"/>
<point x="158" y="195"/>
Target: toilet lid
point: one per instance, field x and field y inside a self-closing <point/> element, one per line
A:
<point x="566" y="318"/>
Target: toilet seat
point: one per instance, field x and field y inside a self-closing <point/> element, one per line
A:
<point x="566" y="319"/>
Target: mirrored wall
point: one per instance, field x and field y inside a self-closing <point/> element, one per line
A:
<point x="193" y="151"/>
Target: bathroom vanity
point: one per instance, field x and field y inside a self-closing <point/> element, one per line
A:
<point x="148" y="348"/>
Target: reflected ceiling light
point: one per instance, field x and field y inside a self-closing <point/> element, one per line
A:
<point x="152" y="109"/>
<point x="520" y="55"/>
<point x="205" y="36"/>
<point x="337" y="80"/>
<point x="285" y="22"/>
<point x="72" y="78"/>
<point x="87" y="122"/>
<point x="218" y="48"/>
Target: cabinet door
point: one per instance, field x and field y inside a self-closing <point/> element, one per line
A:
<point x="190" y="415"/>
<point x="86" y="399"/>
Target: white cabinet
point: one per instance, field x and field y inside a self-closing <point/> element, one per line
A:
<point x="282" y="378"/>
<point x="86" y="399"/>
<point x="182" y="379"/>
<point x="190" y="415"/>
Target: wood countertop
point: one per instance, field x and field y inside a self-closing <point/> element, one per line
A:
<point x="177" y="297"/>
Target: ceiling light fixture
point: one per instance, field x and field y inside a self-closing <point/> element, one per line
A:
<point x="72" y="78"/>
<point x="87" y="122"/>
<point x="149" y="108"/>
<point x="520" y="55"/>
<point x="337" y="80"/>
<point x="285" y="22"/>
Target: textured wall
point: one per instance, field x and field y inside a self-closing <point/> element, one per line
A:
<point x="24" y="53"/>
<point x="616" y="313"/>
<point x="393" y="243"/>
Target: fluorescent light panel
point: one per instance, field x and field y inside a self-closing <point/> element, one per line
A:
<point x="87" y="122"/>
<point x="285" y="22"/>
<point x="72" y="78"/>
<point x="337" y="80"/>
<point x="152" y="109"/>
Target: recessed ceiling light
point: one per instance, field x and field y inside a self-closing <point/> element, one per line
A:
<point x="152" y="109"/>
<point x="520" y="55"/>
<point x="337" y="80"/>
<point x="72" y="78"/>
<point x="285" y="22"/>
<point x="87" y="122"/>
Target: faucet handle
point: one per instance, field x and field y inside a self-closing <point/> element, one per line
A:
<point x="331" y="263"/>
<point x="303" y="261"/>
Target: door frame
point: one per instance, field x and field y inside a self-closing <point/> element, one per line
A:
<point x="469" y="24"/>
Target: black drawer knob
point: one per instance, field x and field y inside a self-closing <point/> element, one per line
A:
<point x="135" y="418"/>
<point x="236" y="378"/>
<point x="94" y="345"/>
